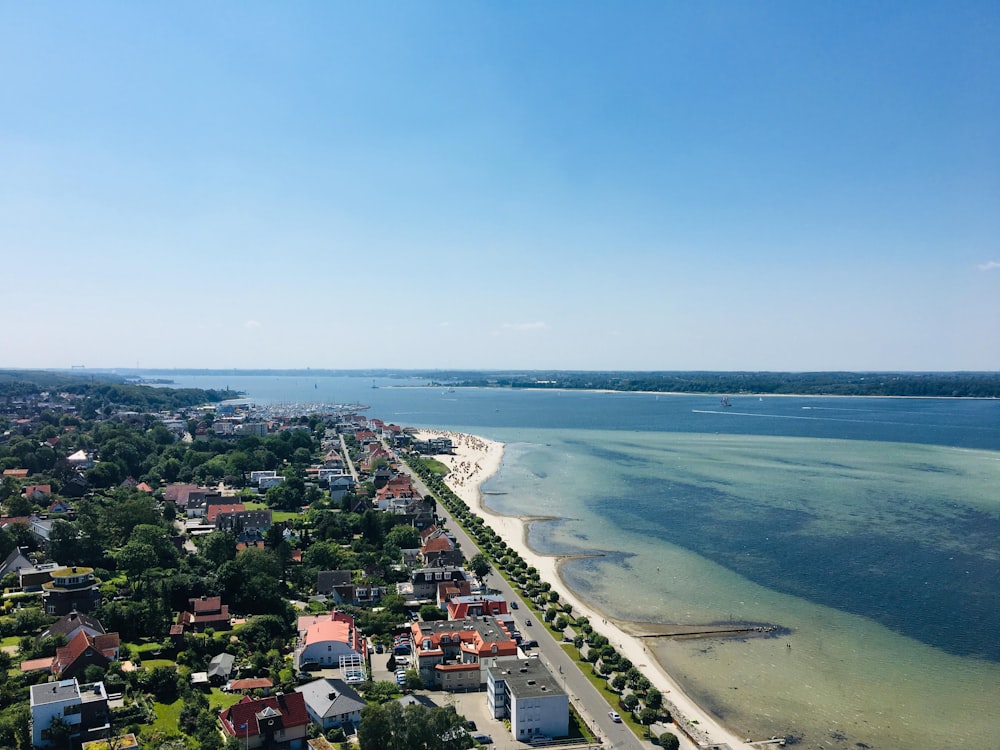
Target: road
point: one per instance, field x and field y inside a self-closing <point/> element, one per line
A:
<point x="588" y="700"/>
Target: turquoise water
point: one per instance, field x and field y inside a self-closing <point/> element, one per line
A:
<point x="859" y="548"/>
<point x="868" y="527"/>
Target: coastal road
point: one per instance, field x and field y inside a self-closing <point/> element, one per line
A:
<point x="587" y="700"/>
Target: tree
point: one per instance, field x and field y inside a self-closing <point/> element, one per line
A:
<point x="219" y="547"/>
<point x="432" y="612"/>
<point x="669" y="741"/>
<point x="647" y="715"/>
<point x="654" y="698"/>
<point x="618" y="682"/>
<point x="630" y="701"/>
<point x="480" y="565"/>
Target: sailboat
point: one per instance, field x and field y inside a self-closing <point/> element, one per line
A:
<point x="725" y="401"/>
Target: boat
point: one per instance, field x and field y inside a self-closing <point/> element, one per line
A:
<point x="725" y="401"/>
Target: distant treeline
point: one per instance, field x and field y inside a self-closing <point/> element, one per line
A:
<point x="929" y="384"/>
<point x="103" y="390"/>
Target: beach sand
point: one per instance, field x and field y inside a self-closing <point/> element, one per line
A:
<point x="475" y="460"/>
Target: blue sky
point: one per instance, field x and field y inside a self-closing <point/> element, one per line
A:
<point x="585" y="185"/>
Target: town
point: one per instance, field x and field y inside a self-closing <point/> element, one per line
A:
<point x="231" y="576"/>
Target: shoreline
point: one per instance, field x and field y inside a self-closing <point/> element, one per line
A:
<point x="475" y="460"/>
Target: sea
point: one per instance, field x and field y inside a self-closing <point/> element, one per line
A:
<point x="866" y="529"/>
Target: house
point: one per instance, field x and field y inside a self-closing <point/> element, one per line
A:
<point x="424" y="584"/>
<point x="327" y="641"/>
<point x="33" y="577"/>
<point x="205" y="612"/>
<point x="245" y="524"/>
<point x="526" y="693"/>
<point x="71" y="588"/>
<point x="264" y="684"/>
<point x="266" y="483"/>
<point x="15" y="562"/>
<point x="220" y="668"/>
<point x="453" y="655"/>
<point x="38" y="493"/>
<point x="278" y="721"/>
<point x="212" y="512"/>
<point x="83" y="707"/>
<point x="462" y="607"/>
<point x="60" y="506"/>
<point x="81" y="459"/>
<point x="70" y="624"/>
<point x="336" y="583"/>
<point x="83" y="651"/>
<point x="438" y="549"/>
<point x="16" y="473"/>
<point x="331" y="703"/>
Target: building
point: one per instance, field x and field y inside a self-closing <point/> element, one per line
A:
<point x="526" y="693"/>
<point x="69" y="625"/>
<point x="278" y="721"/>
<point x="331" y="703"/>
<point x="462" y="607"/>
<point x="83" y="651"/>
<point x="329" y="641"/>
<point x="205" y="612"/>
<point x="71" y="588"/>
<point x="83" y="707"/>
<point x="425" y="584"/>
<point x="453" y="655"/>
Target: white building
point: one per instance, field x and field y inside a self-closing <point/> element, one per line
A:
<point x="527" y="694"/>
<point x="83" y="707"/>
<point x="327" y="640"/>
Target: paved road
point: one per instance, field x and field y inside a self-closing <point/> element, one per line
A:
<point x="589" y="702"/>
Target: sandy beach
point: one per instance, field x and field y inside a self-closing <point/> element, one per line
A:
<point x="476" y="459"/>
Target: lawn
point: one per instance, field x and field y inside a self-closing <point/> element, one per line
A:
<point x="218" y="700"/>
<point x="168" y="716"/>
<point x="154" y="663"/>
<point x="10" y="640"/>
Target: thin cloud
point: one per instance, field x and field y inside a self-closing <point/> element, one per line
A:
<point x="989" y="266"/>
<point x="525" y="326"/>
<point x="251" y="324"/>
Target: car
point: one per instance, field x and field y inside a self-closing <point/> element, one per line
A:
<point x="513" y="605"/>
<point x="529" y="644"/>
<point x="470" y="725"/>
<point x="527" y="622"/>
<point x="379" y="648"/>
<point x="483" y="739"/>
<point x="615" y="717"/>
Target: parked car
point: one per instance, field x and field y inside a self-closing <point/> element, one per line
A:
<point x="615" y="717"/>
<point x="483" y="739"/>
<point x="513" y="605"/>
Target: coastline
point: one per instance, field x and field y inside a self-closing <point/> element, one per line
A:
<point x="474" y="461"/>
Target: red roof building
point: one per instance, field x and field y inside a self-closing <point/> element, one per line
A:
<point x="206" y="612"/>
<point x="277" y="720"/>
<point x="82" y="651"/>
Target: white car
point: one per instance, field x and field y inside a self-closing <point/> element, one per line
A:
<point x="615" y="717"/>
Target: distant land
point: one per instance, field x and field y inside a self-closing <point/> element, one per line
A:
<point x="914" y="384"/>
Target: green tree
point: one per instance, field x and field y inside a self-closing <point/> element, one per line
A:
<point x="218" y="547"/>
<point x="480" y="565"/>
<point x="669" y="741"/>
<point x="630" y="701"/>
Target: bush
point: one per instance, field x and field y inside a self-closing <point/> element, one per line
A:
<point x="669" y="741"/>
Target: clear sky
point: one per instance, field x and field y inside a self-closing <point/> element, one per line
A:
<point x="571" y="185"/>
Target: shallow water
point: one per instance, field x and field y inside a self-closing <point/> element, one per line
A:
<point x="882" y="558"/>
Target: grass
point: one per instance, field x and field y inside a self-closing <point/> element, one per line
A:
<point x="10" y="640"/>
<point x="154" y="663"/>
<point x="219" y="701"/>
<point x="168" y="716"/>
